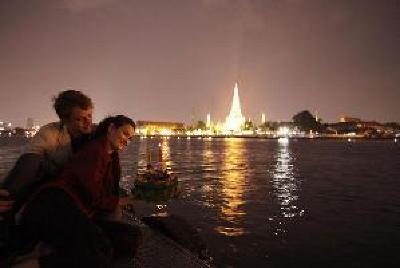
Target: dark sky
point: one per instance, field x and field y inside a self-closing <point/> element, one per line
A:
<point x="167" y="60"/>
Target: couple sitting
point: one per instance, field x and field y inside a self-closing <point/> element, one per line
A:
<point x="74" y="206"/>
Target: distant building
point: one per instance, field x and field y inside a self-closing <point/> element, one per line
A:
<point x="19" y="132"/>
<point x="348" y="119"/>
<point x="366" y="128"/>
<point x="160" y="128"/>
<point x="5" y="125"/>
<point x="29" y="123"/>
<point x="342" y="127"/>
<point x="374" y="129"/>
<point x="263" y="118"/>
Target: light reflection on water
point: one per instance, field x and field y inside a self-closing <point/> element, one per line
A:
<point x="166" y="152"/>
<point x="285" y="188"/>
<point x="232" y="187"/>
<point x="149" y="150"/>
<point x="284" y="181"/>
<point x="208" y="167"/>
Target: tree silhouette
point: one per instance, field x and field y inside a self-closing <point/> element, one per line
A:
<point x="201" y="125"/>
<point x="248" y="125"/>
<point x="306" y="121"/>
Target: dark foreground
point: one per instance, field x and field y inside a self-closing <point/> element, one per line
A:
<point x="159" y="248"/>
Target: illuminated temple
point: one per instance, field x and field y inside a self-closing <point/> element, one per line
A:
<point x="235" y="120"/>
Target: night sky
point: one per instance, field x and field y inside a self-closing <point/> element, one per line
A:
<point x="170" y="60"/>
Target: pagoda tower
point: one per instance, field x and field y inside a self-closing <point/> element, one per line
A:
<point x="235" y="120"/>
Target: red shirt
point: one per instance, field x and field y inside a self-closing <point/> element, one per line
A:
<point x="90" y="178"/>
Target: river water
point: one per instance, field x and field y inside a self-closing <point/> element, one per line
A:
<point x="266" y="203"/>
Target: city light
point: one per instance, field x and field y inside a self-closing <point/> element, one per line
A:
<point x="283" y="131"/>
<point x="165" y="132"/>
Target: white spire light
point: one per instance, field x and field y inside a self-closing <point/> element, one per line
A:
<point x="235" y="120"/>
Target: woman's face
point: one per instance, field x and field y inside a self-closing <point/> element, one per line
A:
<point x="119" y="137"/>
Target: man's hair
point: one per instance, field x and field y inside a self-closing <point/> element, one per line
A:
<point x="117" y="121"/>
<point x="68" y="99"/>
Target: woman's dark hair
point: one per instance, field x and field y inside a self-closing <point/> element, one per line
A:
<point x="68" y="99"/>
<point x="117" y="121"/>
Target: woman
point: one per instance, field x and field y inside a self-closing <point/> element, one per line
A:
<point x="62" y="213"/>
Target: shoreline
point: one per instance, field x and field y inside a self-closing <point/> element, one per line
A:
<point x="270" y="137"/>
<point x="18" y="139"/>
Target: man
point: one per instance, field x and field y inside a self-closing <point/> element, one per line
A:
<point x="51" y="147"/>
<point x="46" y="153"/>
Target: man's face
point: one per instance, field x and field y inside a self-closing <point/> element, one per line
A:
<point x="80" y="121"/>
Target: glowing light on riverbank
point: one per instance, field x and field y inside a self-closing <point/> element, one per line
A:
<point x="165" y="132"/>
<point x="283" y="131"/>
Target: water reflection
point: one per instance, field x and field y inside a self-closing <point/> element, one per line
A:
<point x="151" y="150"/>
<point x="232" y="187"/>
<point x="8" y="156"/>
<point x="285" y="186"/>
<point x="209" y="169"/>
<point x="144" y="153"/>
<point x="166" y="152"/>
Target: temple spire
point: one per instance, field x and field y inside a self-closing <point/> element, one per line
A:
<point x="235" y="119"/>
